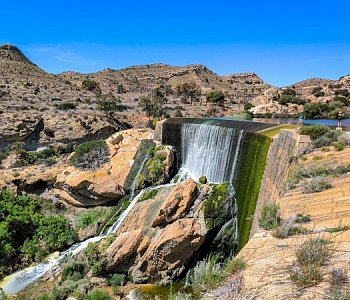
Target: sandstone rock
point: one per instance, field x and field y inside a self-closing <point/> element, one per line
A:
<point x="177" y="203"/>
<point x="95" y="187"/>
<point x="167" y="254"/>
<point x="122" y="253"/>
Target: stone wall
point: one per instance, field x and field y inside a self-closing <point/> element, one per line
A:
<point x="284" y="147"/>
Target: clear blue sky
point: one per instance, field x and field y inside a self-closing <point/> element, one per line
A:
<point x="282" y="41"/>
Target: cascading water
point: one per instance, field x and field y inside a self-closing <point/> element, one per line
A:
<point x="210" y="150"/>
<point x="21" y="279"/>
<point x="207" y="150"/>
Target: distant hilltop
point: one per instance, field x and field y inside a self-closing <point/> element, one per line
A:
<point x="22" y="83"/>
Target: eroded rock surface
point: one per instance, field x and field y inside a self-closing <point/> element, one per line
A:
<point x="95" y="187"/>
<point x="161" y="234"/>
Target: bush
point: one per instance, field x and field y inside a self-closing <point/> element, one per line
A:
<point x="269" y="216"/>
<point x="314" y="131"/>
<point x="286" y="229"/>
<point x="305" y="276"/>
<point x="327" y="139"/>
<point x="73" y="271"/>
<point x="233" y="265"/>
<point x="97" y="295"/>
<point x="207" y="274"/>
<point x="248" y="106"/>
<point x="116" y="281"/>
<point x="26" y="234"/>
<point x="338" y="276"/>
<point x="217" y="97"/>
<point x="149" y="194"/>
<point x="316" y="110"/>
<point x="46" y="156"/>
<point x="310" y="256"/>
<point x="285" y="99"/>
<point x="66" y="106"/>
<point x="315" y="251"/>
<point x="89" y="218"/>
<point x="90" y="155"/>
<point x="289" y="92"/>
<point x="316" y="185"/>
<point x="96" y="260"/>
<point x="339" y="146"/>
<point x="91" y="86"/>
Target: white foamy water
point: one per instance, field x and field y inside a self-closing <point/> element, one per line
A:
<point x="210" y="150"/>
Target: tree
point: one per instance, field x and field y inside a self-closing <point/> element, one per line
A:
<point x="188" y="91"/>
<point x="178" y="111"/>
<point x="91" y="86"/>
<point x="154" y="104"/>
<point x="120" y="89"/>
<point x="109" y="104"/>
<point x="217" y="97"/>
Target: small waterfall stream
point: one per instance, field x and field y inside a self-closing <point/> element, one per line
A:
<point x="21" y="279"/>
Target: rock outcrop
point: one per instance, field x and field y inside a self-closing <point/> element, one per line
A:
<point x="95" y="187"/>
<point x="160" y="236"/>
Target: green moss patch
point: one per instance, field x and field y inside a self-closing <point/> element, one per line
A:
<point x="248" y="181"/>
<point x="214" y="208"/>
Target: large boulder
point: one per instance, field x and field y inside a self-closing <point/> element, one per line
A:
<point x="177" y="203"/>
<point x="96" y="187"/>
<point x="163" y="231"/>
<point x="167" y="255"/>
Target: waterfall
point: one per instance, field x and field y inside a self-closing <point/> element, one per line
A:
<point x="207" y="150"/>
<point x="211" y="151"/>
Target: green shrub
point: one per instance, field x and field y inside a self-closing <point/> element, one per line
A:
<point x="310" y="256"/>
<point x="66" y="106"/>
<point x="116" y="281"/>
<point x="233" y="265"/>
<point x="316" y="110"/>
<point x="90" y="155"/>
<point x="207" y="274"/>
<point x="97" y="295"/>
<point x="46" y="156"/>
<point x="73" y="270"/>
<point x="314" y="131"/>
<point x="217" y="97"/>
<point x="149" y="194"/>
<point x="337" y="228"/>
<point x="90" y="218"/>
<point x="339" y="146"/>
<point x="305" y="276"/>
<point x="95" y="259"/>
<point x="316" y="185"/>
<point x="248" y="106"/>
<point x="26" y="234"/>
<point x="287" y="228"/>
<point x="327" y="139"/>
<point x="285" y="99"/>
<point x="300" y="219"/>
<point x="91" y="86"/>
<point x="289" y="92"/>
<point x="269" y="216"/>
<point x="315" y="251"/>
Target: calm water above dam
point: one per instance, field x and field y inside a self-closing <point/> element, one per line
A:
<point x="327" y="122"/>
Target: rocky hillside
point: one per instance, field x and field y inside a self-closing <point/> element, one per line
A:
<point x="314" y="90"/>
<point x="26" y="87"/>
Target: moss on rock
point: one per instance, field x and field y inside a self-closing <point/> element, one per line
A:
<point x="214" y="208"/>
<point x="248" y="180"/>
